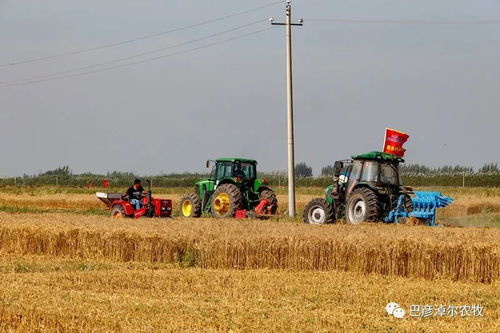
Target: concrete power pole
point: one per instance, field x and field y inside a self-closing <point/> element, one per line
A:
<point x="289" y="98"/>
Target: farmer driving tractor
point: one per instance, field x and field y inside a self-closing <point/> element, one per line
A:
<point x="135" y="194"/>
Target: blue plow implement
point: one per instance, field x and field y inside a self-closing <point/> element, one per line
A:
<point x="424" y="207"/>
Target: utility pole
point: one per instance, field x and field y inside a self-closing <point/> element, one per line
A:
<point x="289" y="99"/>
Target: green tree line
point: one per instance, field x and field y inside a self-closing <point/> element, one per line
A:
<point x="412" y="175"/>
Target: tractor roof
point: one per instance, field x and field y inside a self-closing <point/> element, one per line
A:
<point x="236" y="159"/>
<point x="376" y="155"/>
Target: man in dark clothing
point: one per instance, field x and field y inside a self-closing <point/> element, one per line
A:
<point x="135" y="193"/>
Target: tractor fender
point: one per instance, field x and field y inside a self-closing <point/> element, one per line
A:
<point x="328" y="195"/>
<point x="260" y="184"/>
<point x="127" y="207"/>
<point x="355" y="187"/>
<point x="262" y="188"/>
<point x="226" y="181"/>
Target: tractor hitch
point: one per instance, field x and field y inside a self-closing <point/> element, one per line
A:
<point x="262" y="211"/>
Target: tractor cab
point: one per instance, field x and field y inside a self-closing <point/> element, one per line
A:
<point x="232" y="168"/>
<point x="377" y="171"/>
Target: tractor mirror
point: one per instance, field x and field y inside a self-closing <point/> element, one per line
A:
<point x="208" y="164"/>
<point x="337" y="168"/>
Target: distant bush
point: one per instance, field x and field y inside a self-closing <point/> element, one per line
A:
<point x="412" y="175"/>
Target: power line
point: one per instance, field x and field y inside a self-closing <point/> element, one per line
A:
<point x="430" y="22"/>
<point x="132" y="56"/>
<point x="105" y="46"/>
<point x="136" y="62"/>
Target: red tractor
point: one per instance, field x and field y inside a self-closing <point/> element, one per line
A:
<point x="120" y="206"/>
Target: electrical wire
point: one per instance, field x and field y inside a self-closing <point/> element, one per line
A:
<point x="137" y="62"/>
<point x="430" y="22"/>
<point x="78" y="69"/>
<point x="105" y="46"/>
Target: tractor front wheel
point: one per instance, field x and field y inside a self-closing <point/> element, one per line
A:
<point x="117" y="212"/>
<point x="226" y="200"/>
<point x="363" y="206"/>
<point x="190" y="205"/>
<point x="319" y="211"/>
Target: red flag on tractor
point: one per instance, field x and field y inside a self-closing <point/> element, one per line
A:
<point x="393" y="143"/>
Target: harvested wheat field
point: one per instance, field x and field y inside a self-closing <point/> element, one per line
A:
<point x="47" y="293"/>
<point x="65" y="265"/>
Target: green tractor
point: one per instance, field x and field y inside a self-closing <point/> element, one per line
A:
<point x="232" y="186"/>
<point x="365" y="189"/>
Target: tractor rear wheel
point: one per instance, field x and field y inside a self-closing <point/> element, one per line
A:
<point x="362" y="206"/>
<point x="408" y="205"/>
<point x="117" y="212"/>
<point x="226" y="200"/>
<point x="319" y="211"/>
<point x="271" y="197"/>
<point x="190" y="205"/>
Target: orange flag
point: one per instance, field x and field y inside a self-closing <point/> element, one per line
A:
<point x="394" y="141"/>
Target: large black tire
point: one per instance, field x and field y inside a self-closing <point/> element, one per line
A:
<point x="362" y="206"/>
<point x="190" y="205"/>
<point x="319" y="211"/>
<point x="117" y="212"/>
<point x="269" y="194"/>
<point x="226" y="200"/>
<point x="408" y="205"/>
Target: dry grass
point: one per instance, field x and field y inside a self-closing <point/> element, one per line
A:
<point x="470" y="254"/>
<point x="51" y="201"/>
<point x="468" y="201"/>
<point x="50" y="294"/>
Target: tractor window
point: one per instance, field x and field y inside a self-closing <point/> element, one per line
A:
<point x="370" y="171"/>
<point x="355" y="171"/>
<point x="224" y="170"/>
<point x="389" y="174"/>
<point x="249" y="170"/>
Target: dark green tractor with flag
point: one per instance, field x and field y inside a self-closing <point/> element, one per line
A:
<point x="368" y="188"/>
<point x="233" y="186"/>
<point x="365" y="188"/>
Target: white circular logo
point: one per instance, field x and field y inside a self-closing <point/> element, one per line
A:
<point x="398" y="313"/>
<point x="394" y="309"/>
<point x="391" y="307"/>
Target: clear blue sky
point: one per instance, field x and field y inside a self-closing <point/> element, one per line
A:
<point x="439" y="83"/>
